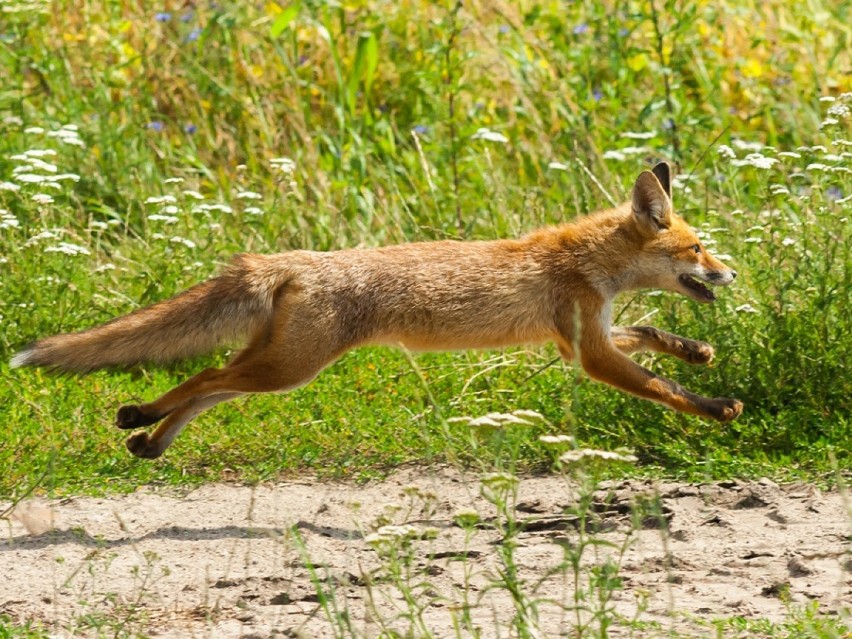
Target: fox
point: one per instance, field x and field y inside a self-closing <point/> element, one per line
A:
<point x="297" y="312"/>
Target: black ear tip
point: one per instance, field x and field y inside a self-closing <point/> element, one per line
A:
<point x="663" y="172"/>
<point x="662" y="167"/>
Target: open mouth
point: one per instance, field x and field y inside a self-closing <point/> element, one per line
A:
<point x="696" y="289"/>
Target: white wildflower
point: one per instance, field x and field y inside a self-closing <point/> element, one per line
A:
<point x="252" y="210"/>
<point x="248" y="195"/>
<point x="583" y="454"/>
<point x="165" y="219"/>
<point x="525" y="412"/>
<point x="41" y="165"/>
<point x="639" y="135"/>
<point x="556" y="439"/>
<point x="182" y="240"/>
<point x="162" y="199"/>
<point x="13" y="120"/>
<point x="171" y="209"/>
<point x="35" y="130"/>
<point x="778" y="189"/>
<point x="839" y="111"/>
<point x="174" y="180"/>
<point x="558" y="166"/>
<point x="205" y="208"/>
<point x="747" y="146"/>
<point x="816" y="166"/>
<point x="756" y="160"/>
<point x="827" y="98"/>
<point x="614" y="155"/>
<point x="789" y="154"/>
<point x="68" y="249"/>
<point x="635" y="150"/>
<point x="64" y="176"/>
<point x="753" y="240"/>
<point x="39" y="153"/>
<point x="44" y="235"/>
<point x="285" y="165"/>
<point x="841" y="142"/>
<point x="726" y="152"/>
<point x="746" y="308"/>
<point x="466" y="518"/>
<point x="22" y="168"/>
<point x="42" y="198"/>
<point x="8" y="221"/>
<point x="484" y="133"/>
<point x="193" y="194"/>
<point x="9" y="186"/>
<point x="98" y="225"/>
<point x="828" y="122"/>
<point x="788" y="241"/>
<point x="109" y="266"/>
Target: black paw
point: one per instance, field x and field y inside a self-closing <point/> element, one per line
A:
<point x="698" y="352"/>
<point x="132" y="417"/>
<point x="726" y="410"/>
<point x="140" y="445"/>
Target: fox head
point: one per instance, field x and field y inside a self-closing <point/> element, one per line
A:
<point x="672" y="255"/>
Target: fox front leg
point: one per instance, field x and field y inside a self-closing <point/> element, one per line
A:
<point x="632" y="339"/>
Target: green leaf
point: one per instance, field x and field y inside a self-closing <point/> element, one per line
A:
<point x="364" y="67"/>
<point x="284" y="19"/>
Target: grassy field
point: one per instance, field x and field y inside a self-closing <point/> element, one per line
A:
<point x="141" y="148"/>
<point x="143" y="145"/>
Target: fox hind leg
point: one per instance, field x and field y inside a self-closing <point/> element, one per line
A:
<point x="153" y="445"/>
<point x="276" y="361"/>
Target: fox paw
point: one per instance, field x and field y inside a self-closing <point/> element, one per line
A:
<point x="698" y="352"/>
<point x="141" y="446"/>
<point x="131" y="416"/>
<point x="727" y="410"/>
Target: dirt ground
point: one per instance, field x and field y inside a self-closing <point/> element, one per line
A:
<point x="224" y="560"/>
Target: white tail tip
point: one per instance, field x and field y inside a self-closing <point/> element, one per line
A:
<point x="20" y="359"/>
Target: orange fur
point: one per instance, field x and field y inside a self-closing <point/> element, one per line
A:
<point x="302" y="310"/>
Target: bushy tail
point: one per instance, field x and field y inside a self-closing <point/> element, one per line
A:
<point x="227" y="307"/>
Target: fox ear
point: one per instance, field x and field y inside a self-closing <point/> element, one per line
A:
<point x="663" y="171"/>
<point x="652" y="207"/>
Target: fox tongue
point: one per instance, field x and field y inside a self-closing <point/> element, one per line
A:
<point x="698" y="289"/>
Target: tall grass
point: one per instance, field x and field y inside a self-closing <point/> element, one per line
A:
<point x="185" y="133"/>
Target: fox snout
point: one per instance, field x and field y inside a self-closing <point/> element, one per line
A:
<point x="692" y="283"/>
<point x="722" y="278"/>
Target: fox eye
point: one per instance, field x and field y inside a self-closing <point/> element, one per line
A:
<point x="696" y="248"/>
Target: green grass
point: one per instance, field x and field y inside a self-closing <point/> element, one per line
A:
<point x="211" y="96"/>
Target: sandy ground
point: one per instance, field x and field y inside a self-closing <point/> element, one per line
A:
<point x="232" y="561"/>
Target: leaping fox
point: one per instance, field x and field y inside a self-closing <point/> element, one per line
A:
<point x="299" y="311"/>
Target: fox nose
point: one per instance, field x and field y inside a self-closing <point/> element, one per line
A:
<point x="733" y="274"/>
